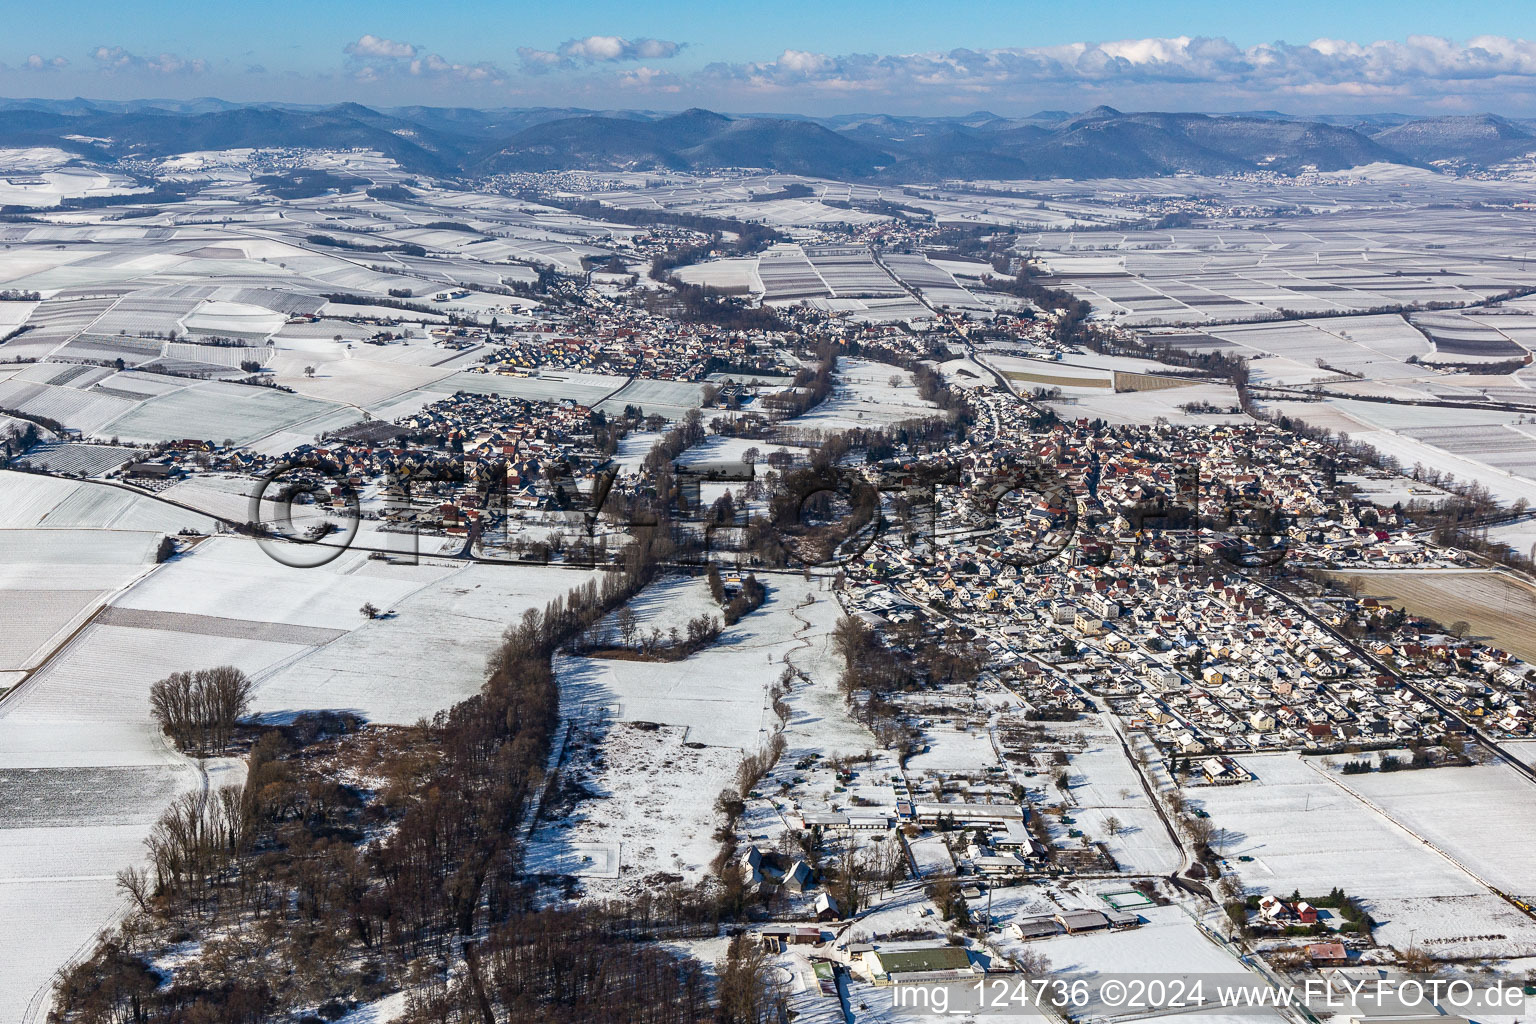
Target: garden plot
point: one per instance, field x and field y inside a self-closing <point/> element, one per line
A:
<point x="862" y="396"/>
<point x="786" y="275"/>
<point x="79" y="459"/>
<point x="1482" y="817"/>
<point x="429" y="654"/>
<point x="643" y="791"/>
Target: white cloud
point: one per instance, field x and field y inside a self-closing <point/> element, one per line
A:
<point x="539" y="61"/>
<point x="37" y="62"/>
<point x="370" y="45"/>
<point x="1421" y="66"/>
<point x="114" y="59"/>
<point x="615" y="48"/>
<point x="374" y="58"/>
<point x="590" y="50"/>
<point x="650" y="78"/>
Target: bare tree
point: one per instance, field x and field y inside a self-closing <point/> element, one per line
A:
<point x="749" y="990"/>
<point x="629" y="624"/>
<point x="134" y="883"/>
<point x="198" y="710"/>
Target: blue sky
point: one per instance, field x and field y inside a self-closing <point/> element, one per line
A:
<point x="790" y="55"/>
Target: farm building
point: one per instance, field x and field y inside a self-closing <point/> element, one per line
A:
<point x="928" y="963"/>
<point x="1075" y="921"/>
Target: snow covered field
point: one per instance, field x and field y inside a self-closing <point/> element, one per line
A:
<point x="85" y="716"/>
<point x="1471" y="444"/>
<point x="950" y="749"/>
<point x="1104" y="785"/>
<point x="53" y="581"/>
<point x="667" y="604"/>
<point x="651" y="744"/>
<point x="428" y="655"/>
<point x="651" y="800"/>
<point x="720" y="695"/>
<point x="1482" y="817"/>
<point x="1409" y="888"/>
<point x="1167" y="942"/>
<point x="862" y="396"/>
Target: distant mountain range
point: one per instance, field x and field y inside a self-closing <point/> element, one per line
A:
<point x="1098" y="143"/>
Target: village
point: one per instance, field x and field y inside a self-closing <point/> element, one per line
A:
<point x="980" y="648"/>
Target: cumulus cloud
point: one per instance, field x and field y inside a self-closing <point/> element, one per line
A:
<point x="1418" y="66"/>
<point x="370" y="45"/>
<point x="650" y="78"/>
<point x="115" y="59"/>
<point x="374" y="58"/>
<point x="594" y="50"/>
<point x="37" y="62"/>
